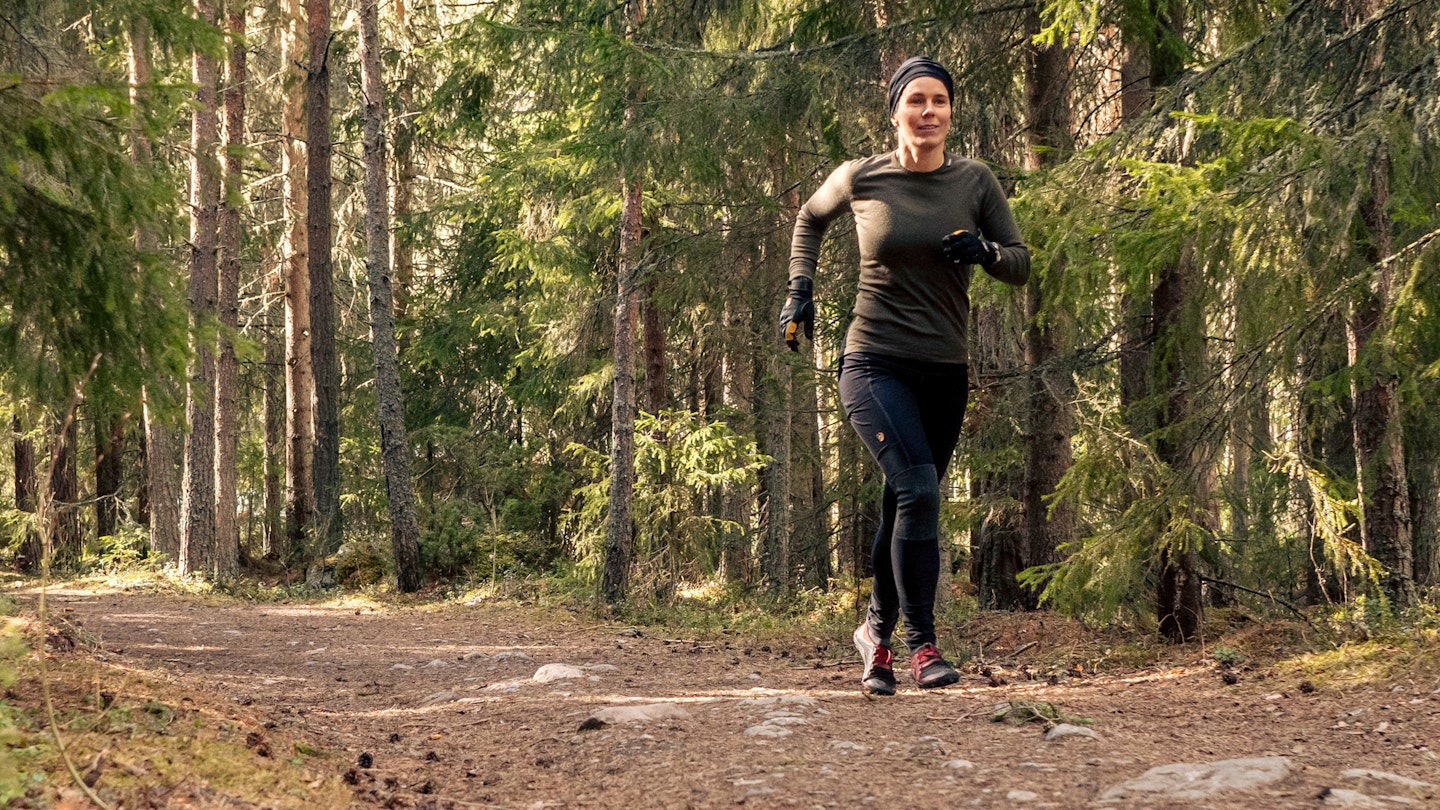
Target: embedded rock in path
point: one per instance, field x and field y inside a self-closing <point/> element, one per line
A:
<point x="1070" y="730"/>
<point x="1354" y="799"/>
<point x="1200" y="780"/>
<point x="1391" y="780"/>
<point x="645" y="713"/>
<point x="556" y="672"/>
<point x="767" y="730"/>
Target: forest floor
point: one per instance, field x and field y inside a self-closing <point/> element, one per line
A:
<point x="172" y="700"/>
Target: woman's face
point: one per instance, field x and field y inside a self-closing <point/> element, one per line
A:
<point x="922" y="118"/>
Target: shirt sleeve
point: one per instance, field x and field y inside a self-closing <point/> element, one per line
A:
<point x="997" y="223"/>
<point x="828" y="202"/>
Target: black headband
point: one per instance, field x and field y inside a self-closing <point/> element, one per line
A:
<point x="914" y="68"/>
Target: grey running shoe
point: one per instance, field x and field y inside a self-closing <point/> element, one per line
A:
<point x="879" y="676"/>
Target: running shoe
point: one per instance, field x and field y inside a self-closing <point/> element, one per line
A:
<point x="930" y="669"/>
<point x="879" y="676"/>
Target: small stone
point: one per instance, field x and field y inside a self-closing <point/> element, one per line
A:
<point x="846" y="745"/>
<point x="641" y="714"/>
<point x="1070" y="730"/>
<point x="1340" y="797"/>
<point x="437" y="662"/>
<point x="556" y="672"/>
<point x="958" y="764"/>
<point x="439" y="697"/>
<point x="1021" y="796"/>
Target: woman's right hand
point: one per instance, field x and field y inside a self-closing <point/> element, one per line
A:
<point x="799" y="310"/>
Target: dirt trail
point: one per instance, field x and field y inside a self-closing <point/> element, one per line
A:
<point x="442" y="705"/>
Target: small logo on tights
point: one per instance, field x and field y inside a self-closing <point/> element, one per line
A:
<point x="880" y="436"/>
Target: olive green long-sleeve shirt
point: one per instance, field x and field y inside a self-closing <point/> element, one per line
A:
<point x="913" y="302"/>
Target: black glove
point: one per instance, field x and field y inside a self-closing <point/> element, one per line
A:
<point x="964" y="247"/>
<point x="799" y="309"/>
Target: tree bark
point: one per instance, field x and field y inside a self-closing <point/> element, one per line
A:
<point x="322" y="297"/>
<point x="299" y="371"/>
<point x="66" y="542"/>
<point x="773" y="400"/>
<point x="1050" y="423"/>
<point x="197" y="542"/>
<point x="1179" y="362"/>
<point x="162" y="441"/>
<point x="227" y="530"/>
<point x="272" y="541"/>
<point x="25" y="492"/>
<point x="394" y="445"/>
<point x="109" y="472"/>
<point x="1375" y="387"/>
<point x="619" y="529"/>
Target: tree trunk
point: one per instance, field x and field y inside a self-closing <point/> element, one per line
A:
<point x="773" y="400"/>
<point x="657" y="392"/>
<point x="996" y="484"/>
<point x="299" y="371"/>
<point x="619" y="529"/>
<point x="66" y="542"/>
<point x="197" y="542"/>
<point x="322" y="297"/>
<point x="25" y="492"/>
<point x="1050" y="423"/>
<point x="1179" y="363"/>
<point x="109" y="472"/>
<point x="1378" y="426"/>
<point x="162" y="440"/>
<point x="227" y="530"/>
<point x="272" y="541"/>
<point x="394" y="445"/>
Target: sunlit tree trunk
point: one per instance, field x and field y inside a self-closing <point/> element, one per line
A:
<point x="619" y="528"/>
<point x="394" y="446"/>
<point x="1385" y="526"/>
<point x="273" y="532"/>
<point x="322" y="296"/>
<point x="619" y="525"/>
<point x="299" y="373"/>
<point x="227" y="530"/>
<point x="197" y="541"/>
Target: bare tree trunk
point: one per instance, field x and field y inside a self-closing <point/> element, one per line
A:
<point x="273" y="534"/>
<point x="1179" y="607"/>
<point x="619" y="531"/>
<point x="1378" y="425"/>
<point x="322" y="296"/>
<point x="998" y="541"/>
<point x="25" y="492"/>
<point x="299" y="371"/>
<point x="109" y="472"/>
<point x="162" y="441"/>
<point x="739" y="500"/>
<point x="1050" y="421"/>
<point x="66" y="542"/>
<point x="227" y="530"/>
<point x="394" y="446"/>
<point x="197" y="542"/>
